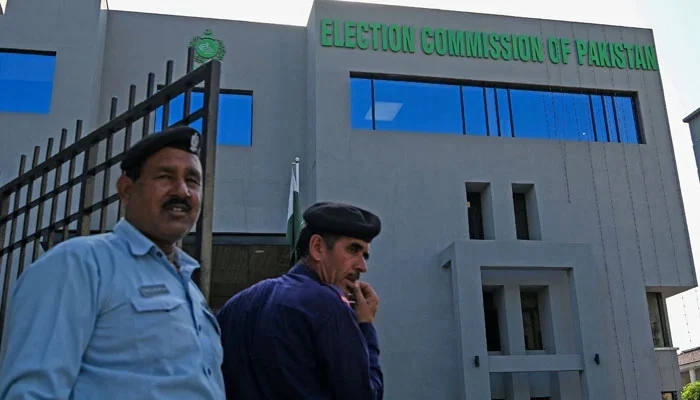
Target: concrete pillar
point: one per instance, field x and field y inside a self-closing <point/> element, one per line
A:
<point x="692" y="375"/>
<point x="517" y="385"/>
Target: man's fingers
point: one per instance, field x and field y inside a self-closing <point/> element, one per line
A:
<point x="367" y="291"/>
<point x="357" y="289"/>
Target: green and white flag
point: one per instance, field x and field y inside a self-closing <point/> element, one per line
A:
<point x="294" y="219"/>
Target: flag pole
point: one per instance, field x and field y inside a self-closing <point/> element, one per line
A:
<point x="296" y="172"/>
<point x="293" y="212"/>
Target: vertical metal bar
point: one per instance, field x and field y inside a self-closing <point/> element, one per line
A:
<point x="8" y="265"/>
<point x="4" y="211"/>
<point x="107" y="173"/>
<point x="186" y="106"/>
<point x="56" y="184"/>
<point x="127" y="138"/>
<point x="129" y="127"/>
<point x="203" y="237"/>
<point x="27" y="214"/>
<point x="71" y="175"/>
<point x="87" y="190"/>
<point x="150" y="88"/>
<point x="40" y="212"/>
<point x="166" y="106"/>
<point x="189" y="67"/>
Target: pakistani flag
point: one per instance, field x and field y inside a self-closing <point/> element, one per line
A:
<point x="294" y="211"/>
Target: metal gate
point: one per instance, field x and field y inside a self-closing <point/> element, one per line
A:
<point x="50" y="202"/>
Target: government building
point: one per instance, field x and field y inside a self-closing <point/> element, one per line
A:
<point x="533" y="224"/>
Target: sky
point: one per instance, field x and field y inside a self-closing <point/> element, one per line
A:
<point x="676" y="33"/>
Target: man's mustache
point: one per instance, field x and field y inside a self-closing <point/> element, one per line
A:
<point x="177" y="202"/>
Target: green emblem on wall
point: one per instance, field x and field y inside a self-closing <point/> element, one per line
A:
<point x="207" y="47"/>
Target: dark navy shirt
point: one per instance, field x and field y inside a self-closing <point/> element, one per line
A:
<point x="294" y="337"/>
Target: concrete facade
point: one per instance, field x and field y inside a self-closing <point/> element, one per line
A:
<point x="607" y="218"/>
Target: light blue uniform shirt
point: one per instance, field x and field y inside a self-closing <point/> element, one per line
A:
<point x="108" y="317"/>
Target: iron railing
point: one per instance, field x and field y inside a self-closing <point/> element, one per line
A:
<point x="26" y="230"/>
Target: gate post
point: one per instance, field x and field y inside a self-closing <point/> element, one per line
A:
<point x="203" y="246"/>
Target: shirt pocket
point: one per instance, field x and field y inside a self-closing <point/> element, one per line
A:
<point x="163" y="325"/>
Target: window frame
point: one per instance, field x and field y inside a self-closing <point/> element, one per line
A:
<point x="495" y="86"/>
<point x="665" y="329"/>
<point x="222" y="91"/>
<point x="532" y="318"/>
<point x="50" y="53"/>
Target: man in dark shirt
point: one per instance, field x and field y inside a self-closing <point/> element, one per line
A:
<point x="299" y="336"/>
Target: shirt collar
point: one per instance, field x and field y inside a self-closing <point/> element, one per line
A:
<point x="140" y="245"/>
<point x="303" y="269"/>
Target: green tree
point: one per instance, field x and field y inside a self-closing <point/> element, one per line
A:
<point x="691" y="391"/>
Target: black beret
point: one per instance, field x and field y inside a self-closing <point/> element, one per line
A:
<point x="179" y="137"/>
<point x="342" y="219"/>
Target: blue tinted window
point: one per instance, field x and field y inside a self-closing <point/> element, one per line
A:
<point x="601" y="124"/>
<point x="626" y="120"/>
<point x="235" y="127"/>
<point x="609" y="112"/>
<point x="26" y="82"/>
<point x="503" y="111"/>
<point x="489" y="111"/>
<point x="572" y="117"/>
<point x="417" y="107"/>
<point x="361" y="103"/>
<point x="474" y="110"/>
<point x="533" y="114"/>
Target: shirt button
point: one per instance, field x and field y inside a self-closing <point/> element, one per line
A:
<point x="199" y="328"/>
<point x="208" y="371"/>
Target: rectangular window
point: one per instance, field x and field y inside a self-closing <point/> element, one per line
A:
<point x="552" y="114"/>
<point x="475" y="116"/>
<point x="361" y="112"/>
<point x="406" y="106"/>
<point x="475" y="215"/>
<point x="503" y="113"/>
<point x="669" y="396"/>
<point x="657" y="318"/>
<point x="493" y="334"/>
<point x="235" y="121"/>
<point x="626" y="119"/>
<point x="521" y="223"/>
<point x="531" y="320"/>
<point x="26" y="81"/>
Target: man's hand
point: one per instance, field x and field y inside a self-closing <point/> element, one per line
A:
<point x="366" y="302"/>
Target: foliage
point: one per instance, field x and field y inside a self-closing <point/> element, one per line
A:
<point x="691" y="391"/>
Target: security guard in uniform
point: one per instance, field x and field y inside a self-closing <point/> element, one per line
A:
<point x="116" y="315"/>
<point x="297" y="336"/>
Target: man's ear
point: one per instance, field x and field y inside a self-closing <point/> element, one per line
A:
<point x="316" y="247"/>
<point x="125" y="186"/>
